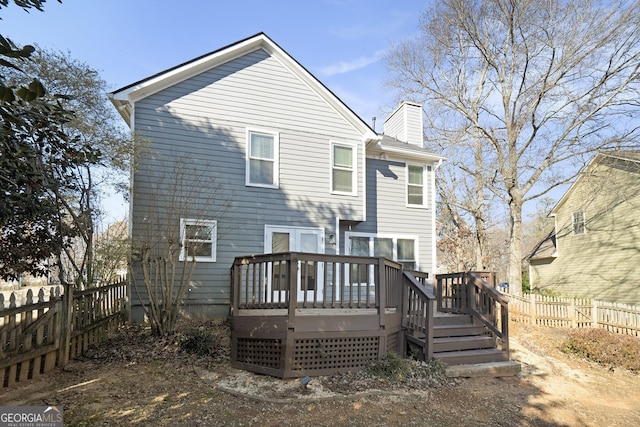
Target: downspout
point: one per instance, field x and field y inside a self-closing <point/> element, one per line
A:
<point x="433" y="221"/>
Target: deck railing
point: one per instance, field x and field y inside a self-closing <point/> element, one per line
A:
<point x="469" y="293"/>
<point x="418" y="311"/>
<point x="304" y="280"/>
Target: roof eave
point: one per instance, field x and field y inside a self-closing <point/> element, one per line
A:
<point x="412" y="154"/>
<point x="146" y="87"/>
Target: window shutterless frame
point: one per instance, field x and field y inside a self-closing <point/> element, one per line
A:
<point x="578" y="223"/>
<point x="398" y="247"/>
<point x="344" y="172"/>
<point x="263" y="159"/>
<point x="417" y="180"/>
<point x="198" y="238"/>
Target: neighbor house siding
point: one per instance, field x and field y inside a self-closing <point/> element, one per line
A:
<point x="204" y="121"/>
<point x="603" y="262"/>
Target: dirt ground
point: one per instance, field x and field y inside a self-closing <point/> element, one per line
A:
<point x="134" y="382"/>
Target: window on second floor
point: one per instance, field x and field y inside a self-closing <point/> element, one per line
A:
<point x="416" y="185"/>
<point x="578" y="222"/>
<point x="343" y="168"/>
<point x="198" y="238"/>
<point x="262" y="159"/>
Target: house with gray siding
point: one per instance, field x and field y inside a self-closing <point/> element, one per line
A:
<point x="243" y="151"/>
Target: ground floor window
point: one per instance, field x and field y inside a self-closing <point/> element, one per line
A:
<point x="402" y="249"/>
<point x="198" y="238"/>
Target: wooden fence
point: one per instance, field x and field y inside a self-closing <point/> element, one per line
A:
<point x="46" y="331"/>
<point x="557" y="312"/>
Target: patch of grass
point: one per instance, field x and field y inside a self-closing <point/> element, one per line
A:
<point x="199" y="341"/>
<point x="604" y="347"/>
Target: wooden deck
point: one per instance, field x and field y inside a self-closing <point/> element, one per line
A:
<point x="297" y="314"/>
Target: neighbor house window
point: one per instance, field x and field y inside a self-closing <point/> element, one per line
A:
<point x="262" y="159"/>
<point x="343" y="168"/>
<point x="198" y="238"/>
<point x="397" y="248"/>
<point x="416" y="188"/>
<point x="578" y="223"/>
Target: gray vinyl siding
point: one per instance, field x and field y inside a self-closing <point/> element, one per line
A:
<point x="387" y="211"/>
<point x="203" y="121"/>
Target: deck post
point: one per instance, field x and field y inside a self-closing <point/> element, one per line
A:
<point x="235" y="288"/>
<point x="381" y="290"/>
<point x="470" y="300"/>
<point x="428" y="338"/>
<point x="292" y="299"/>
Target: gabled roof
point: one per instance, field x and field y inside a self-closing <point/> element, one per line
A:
<point x="125" y="97"/>
<point x="624" y="155"/>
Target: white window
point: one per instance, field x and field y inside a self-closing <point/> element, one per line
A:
<point x="343" y="168"/>
<point x="198" y="238"/>
<point x="402" y="249"/>
<point x="416" y="185"/>
<point x="262" y="159"/>
<point x="579" y="226"/>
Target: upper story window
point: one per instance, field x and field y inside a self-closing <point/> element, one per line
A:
<point x="343" y="168"/>
<point x="578" y="222"/>
<point x="262" y="159"/>
<point x="416" y="185"/>
<point x="198" y="238"/>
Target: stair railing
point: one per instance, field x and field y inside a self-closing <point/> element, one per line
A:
<point x="418" y="302"/>
<point x="489" y="306"/>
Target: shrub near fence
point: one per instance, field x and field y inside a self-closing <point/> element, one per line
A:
<point x="557" y="312"/>
<point x="41" y="334"/>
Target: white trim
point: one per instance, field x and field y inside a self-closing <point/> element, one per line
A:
<point x="393" y="236"/>
<point x="354" y="165"/>
<point x="412" y="154"/>
<point x="147" y="87"/>
<point x="270" y="228"/>
<point x="425" y="177"/>
<point x="573" y="223"/>
<point x="434" y="249"/>
<point x="276" y="158"/>
<point x="364" y="182"/>
<point x="337" y="238"/>
<point x="214" y="238"/>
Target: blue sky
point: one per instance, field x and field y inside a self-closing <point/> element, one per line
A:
<point x="341" y="42"/>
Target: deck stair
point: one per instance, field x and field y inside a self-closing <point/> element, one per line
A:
<point x="459" y="340"/>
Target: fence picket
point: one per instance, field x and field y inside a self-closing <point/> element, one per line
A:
<point x="33" y="333"/>
<point x="575" y="313"/>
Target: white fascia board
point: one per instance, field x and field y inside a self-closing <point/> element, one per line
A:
<point x="314" y="84"/>
<point x="177" y="75"/>
<point x="409" y="154"/>
<point x="261" y="41"/>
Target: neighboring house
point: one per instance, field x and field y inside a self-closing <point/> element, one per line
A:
<point x="269" y="160"/>
<point x="594" y="251"/>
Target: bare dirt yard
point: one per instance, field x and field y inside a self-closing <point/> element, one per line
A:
<point x="137" y="380"/>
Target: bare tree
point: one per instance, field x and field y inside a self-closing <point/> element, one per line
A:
<point x="541" y="84"/>
<point x="165" y="248"/>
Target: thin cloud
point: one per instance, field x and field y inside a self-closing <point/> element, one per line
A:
<point x="343" y="67"/>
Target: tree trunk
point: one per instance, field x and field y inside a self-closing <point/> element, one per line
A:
<point x="515" y="244"/>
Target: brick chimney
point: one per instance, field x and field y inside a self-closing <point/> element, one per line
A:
<point x="405" y="123"/>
